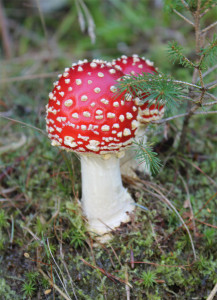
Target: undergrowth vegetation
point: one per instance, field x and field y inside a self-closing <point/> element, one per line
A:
<point x="168" y="250"/>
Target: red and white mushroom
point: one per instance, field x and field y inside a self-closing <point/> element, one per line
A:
<point x="85" y="115"/>
<point x="135" y="65"/>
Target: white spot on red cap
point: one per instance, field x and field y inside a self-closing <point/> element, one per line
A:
<point x="70" y="89"/>
<point x="84" y="98"/>
<point x="116" y="125"/>
<point x="67" y="81"/>
<point x="112" y="71"/>
<point x="51" y="96"/>
<point x="86" y="114"/>
<point x="149" y="63"/>
<point x="68" y="102"/>
<point x="80" y="69"/>
<point x="59" y="129"/>
<point x="62" y="94"/>
<point x="75" y="115"/>
<point x="89" y="81"/>
<point x="134" y="124"/>
<point x="93" y="65"/>
<point x="100" y="74"/>
<point x="61" y="119"/>
<point x="115" y="104"/>
<point x="55" y="143"/>
<point x="105" y="128"/>
<point x="113" y="89"/>
<point x="99" y="111"/>
<point x="97" y="90"/>
<point x="78" y="81"/>
<point x="83" y="127"/>
<point x="129" y="116"/>
<point x="127" y="132"/>
<point x="85" y="138"/>
<point x="110" y="115"/>
<point x="121" y="118"/>
<point x="104" y="101"/>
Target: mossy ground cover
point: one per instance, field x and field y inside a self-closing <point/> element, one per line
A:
<point x="151" y="257"/>
<point x="43" y="236"/>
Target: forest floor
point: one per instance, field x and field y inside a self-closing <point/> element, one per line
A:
<point x="43" y="233"/>
<point x="46" y="251"/>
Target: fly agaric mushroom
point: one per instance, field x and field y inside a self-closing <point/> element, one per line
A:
<point x="85" y="115"/>
<point x="135" y="65"/>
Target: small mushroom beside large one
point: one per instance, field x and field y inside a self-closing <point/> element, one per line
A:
<point x="87" y="116"/>
<point x="135" y="65"/>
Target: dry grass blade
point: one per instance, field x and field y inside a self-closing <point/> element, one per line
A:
<point x="63" y="280"/>
<point x="167" y="201"/>
<point x="28" y="77"/>
<point x="42" y="22"/>
<point x="25" y="124"/>
<point x="54" y="286"/>
<point x="90" y="21"/>
<point x="162" y="265"/>
<point x="189" y="203"/>
<point x="199" y="169"/>
<point x="110" y="276"/>
<point x="213" y="293"/>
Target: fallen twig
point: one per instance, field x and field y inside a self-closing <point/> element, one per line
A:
<point x="54" y="286"/>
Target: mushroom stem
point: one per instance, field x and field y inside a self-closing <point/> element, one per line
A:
<point x="105" y="201"/>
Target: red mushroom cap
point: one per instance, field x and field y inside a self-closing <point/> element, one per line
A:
<point x="85" y="114"/>
<point x="134" y="65"/>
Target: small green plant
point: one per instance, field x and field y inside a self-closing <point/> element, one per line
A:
<point x="77" y="238"/>
<point x="32" y="276"/>
<point x="28" y="289"/>
<point x="148" y="278"/>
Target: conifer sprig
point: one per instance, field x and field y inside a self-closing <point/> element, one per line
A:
<point x="153" y="88"/>
<point x="176" y="54"/>
<point x="145" y="155"/>
<point x="209" y="54"/>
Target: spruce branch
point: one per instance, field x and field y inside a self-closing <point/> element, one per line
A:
<point x="183" y="17"/>
<point x="209" y="54"/>
<point x="146" y="155"/>
<point x="207" y="6"/>
<point x="186" y="114"/>
<point x="176" y="53"/>
<point x="209" y="27"/>
<point x="210" y="70"/>
<point x="153" y="88"/>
